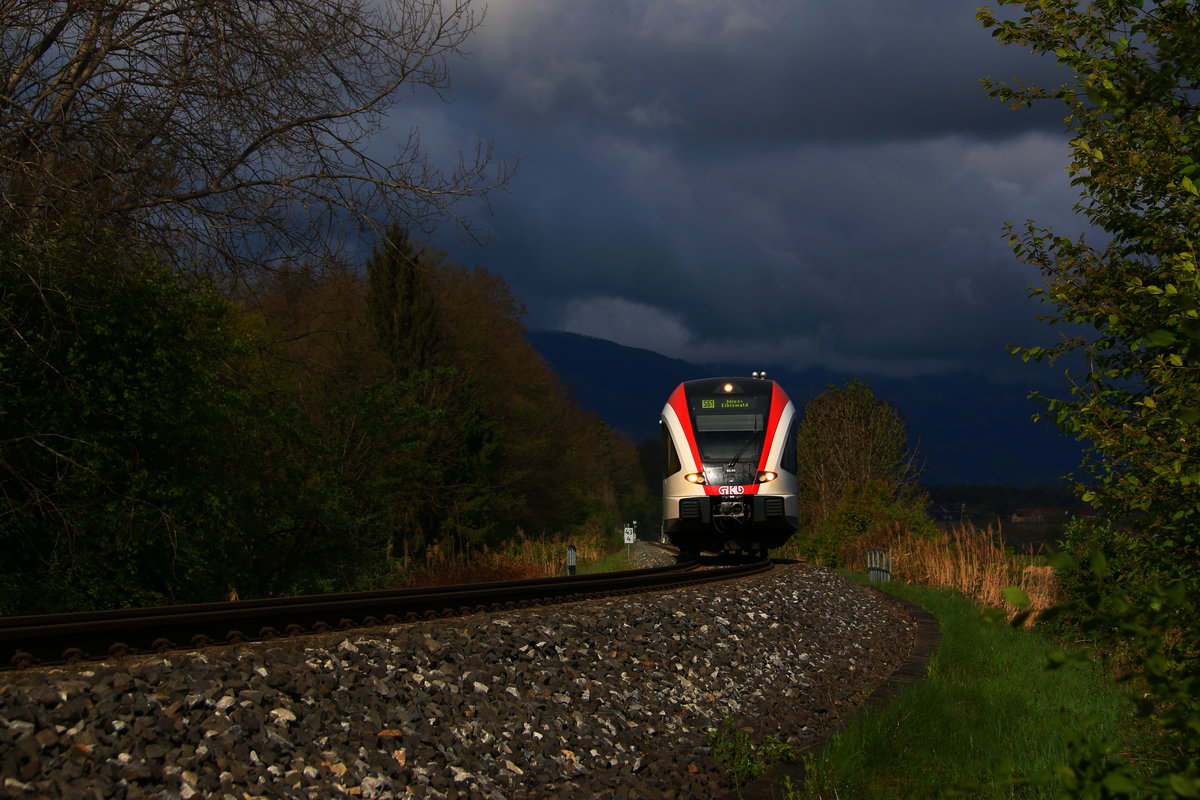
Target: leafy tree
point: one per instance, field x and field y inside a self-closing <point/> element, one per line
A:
<point x="113" y="385"/>
<point x="312" y="341"/>
<point x="224" y="130"/>
<point x="1134" y="118"/>
<point x="856" y="471"/>
<point x="525" y="455"/>
<point x="375" y="423"/>
<point x="561" y="462"/>
<point x="849" y="436"/>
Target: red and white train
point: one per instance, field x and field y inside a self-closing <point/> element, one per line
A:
<point x="729" y="466"/>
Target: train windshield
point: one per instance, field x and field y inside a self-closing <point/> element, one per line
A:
<point x="730" y="428"/>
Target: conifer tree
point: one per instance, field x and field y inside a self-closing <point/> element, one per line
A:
<point x="400" y="303"/>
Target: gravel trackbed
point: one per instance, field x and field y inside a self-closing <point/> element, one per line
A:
<point x="604" y="698"/>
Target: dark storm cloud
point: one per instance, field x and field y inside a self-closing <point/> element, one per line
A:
<point x="779" y="181"/>
<point x="731" y="73"/>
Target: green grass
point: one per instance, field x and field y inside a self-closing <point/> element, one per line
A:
<point x="987" y="708"/>
<point x="613" y="562"/>
<point x="746" y="760"/>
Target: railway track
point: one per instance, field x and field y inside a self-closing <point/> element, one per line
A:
<point x="706" y="559"/>
<point x="68" y="638"/>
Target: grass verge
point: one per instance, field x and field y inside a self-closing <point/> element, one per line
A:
<point x="987" y="709"/>
<point x="613" y="562"/>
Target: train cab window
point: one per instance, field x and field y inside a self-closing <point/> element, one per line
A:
<point x="671" y="462"/>
<point x="730" y="428"/>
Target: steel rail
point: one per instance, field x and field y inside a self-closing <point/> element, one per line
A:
<point x="56" y="638"/>
<point x="10" y="623"/>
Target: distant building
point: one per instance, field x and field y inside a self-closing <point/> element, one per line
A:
<point x="1037" y="515"/>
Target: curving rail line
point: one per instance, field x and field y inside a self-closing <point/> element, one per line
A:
<point x="58" y="638"/>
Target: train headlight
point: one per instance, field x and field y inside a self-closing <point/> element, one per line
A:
<point x="766" y="476"/>
<point x="694" y="477"/>
<point x="728" y="388"/>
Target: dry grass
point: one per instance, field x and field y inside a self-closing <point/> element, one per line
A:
<point x="517" y="559"/>
<point x="970" y="560"/>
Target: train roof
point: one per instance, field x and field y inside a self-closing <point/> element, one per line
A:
<point x="739" y="386"/>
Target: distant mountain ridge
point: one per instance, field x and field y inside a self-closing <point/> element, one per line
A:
<point x="969" y="429"/>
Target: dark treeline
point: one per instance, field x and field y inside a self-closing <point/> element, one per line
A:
<point x="199" y="393"/>
<point x="1005" y="499"/>
<point x="164" y="442"/>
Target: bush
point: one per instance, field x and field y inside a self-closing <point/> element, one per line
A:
<point x="1129" y="559"/>
<point x="114" y="380"/>
<point x="866" y="514"/>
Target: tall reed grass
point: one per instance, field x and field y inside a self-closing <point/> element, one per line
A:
<point x="970" y="560"/>
<point x="516" y="559"/>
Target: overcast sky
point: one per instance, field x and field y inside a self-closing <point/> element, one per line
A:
<point x="800" y="182"/>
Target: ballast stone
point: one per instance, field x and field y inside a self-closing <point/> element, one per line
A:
<point x="608" y="698"/>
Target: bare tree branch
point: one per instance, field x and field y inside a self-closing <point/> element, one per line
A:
<point x="225" y="129"/>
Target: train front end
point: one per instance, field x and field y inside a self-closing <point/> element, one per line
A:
<point x="729" y="466"/>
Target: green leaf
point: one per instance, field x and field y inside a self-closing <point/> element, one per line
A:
<point x="1191" y="187"/>
<point x="1119" y="783"/>
<point x="1161" y="337"/>
<point x="994" y="615"/>
<point x="1184" y="786"/>
<point x="1015" y="595"/>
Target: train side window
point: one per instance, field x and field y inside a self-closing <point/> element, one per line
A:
<point x="671" y="462"/>
<point x="788" y="462"/>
